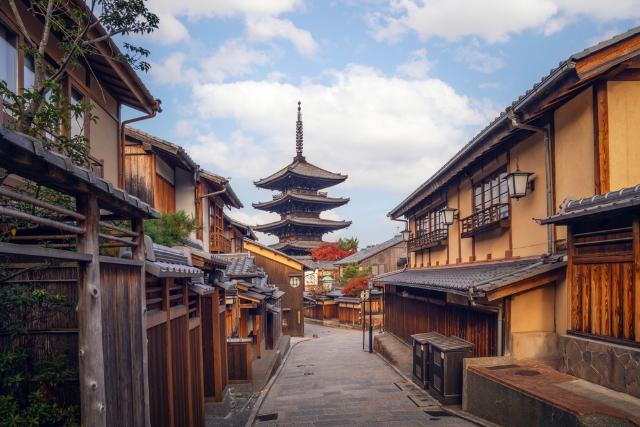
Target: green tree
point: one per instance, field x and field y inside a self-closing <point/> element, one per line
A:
<point x="171" y="228"/>
<point x="353" y="270"/>
<point x="348" y="244"/>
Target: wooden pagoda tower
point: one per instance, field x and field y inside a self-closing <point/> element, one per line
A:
<point x="300" y="202"/>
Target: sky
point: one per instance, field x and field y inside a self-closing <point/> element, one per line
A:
<point x="390" y="90"/>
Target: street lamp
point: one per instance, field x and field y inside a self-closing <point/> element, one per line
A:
<point x="406" y="234"/>
<point x="518" y="183"/>
<point x="448" y="215"/>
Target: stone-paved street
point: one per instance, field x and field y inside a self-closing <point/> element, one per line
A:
<point x="330" y="381"/>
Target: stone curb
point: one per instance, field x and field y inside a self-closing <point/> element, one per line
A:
<point x="265" y="391"/>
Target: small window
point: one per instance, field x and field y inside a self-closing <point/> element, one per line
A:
<point x="29" y="73"/>
<point x="77" y="123"/>
<point x="8" y="58"/>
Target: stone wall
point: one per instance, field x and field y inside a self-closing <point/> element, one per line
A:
<point x="610" y="365"/>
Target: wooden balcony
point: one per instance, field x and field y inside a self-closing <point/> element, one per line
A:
<point x="219" y="244"/>
<point x="428" y="239"/>
<point x="496" y="216"/>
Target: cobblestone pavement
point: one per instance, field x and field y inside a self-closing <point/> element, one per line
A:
<point x="331" y="381"/>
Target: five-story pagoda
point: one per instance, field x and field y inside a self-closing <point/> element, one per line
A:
<point x="300" y="202"/>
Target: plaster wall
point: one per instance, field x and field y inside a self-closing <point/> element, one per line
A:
<point x="104" y="143"/>
<point x="624" y="133"/>
<point x="574" y="151"/>
<point x="533" y="311"/>
<point x="185" y="191"/>
<point x="529" y="238"/>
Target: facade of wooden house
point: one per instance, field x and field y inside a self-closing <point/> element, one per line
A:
<point x="481" y="268"/>
<point x="64" y="251"/>
<point x="218" y="234"/>
<point x="254" y="315"/>
<point x="287" y="274"/>
<point x="382" y="258"/>
<point x="106" y="83"/>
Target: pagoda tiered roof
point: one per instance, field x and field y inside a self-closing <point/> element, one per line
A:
<point x="319" y="225"/>
<point x="291" y="246"/>
<point x="290" y="199"/>
<point x="300" y="173"/>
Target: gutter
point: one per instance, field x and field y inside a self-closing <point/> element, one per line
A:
<point x="517" y="124"/>
<point x="406" y="227"/>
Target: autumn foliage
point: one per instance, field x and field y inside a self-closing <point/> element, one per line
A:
<point x="330" y="252"/>
<point x="356" y="285"/>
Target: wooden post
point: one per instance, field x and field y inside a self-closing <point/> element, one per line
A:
<point x="636" y="278"/>
<point x="217" y="351"/>
<point x="139" y="255"/>
<point x="92" y="384"/>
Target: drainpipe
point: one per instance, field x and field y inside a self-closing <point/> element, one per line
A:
<point x="155" y="108"/>
<point x="515" y="122"/>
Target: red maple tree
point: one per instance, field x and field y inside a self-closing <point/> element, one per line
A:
<point x="356" y="285"/>
<point x="330" y="251"/>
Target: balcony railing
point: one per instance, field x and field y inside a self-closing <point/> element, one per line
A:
<point x="428" y="239"/>
<point x="496" y="216"/>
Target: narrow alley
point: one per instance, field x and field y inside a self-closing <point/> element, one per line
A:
<point x="331" y="381"/>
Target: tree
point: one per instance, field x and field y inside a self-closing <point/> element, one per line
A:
<point x="356" y="285"/>
<point x="330" y="251"/>
<point x="41" y="111"/>
<point x="348" y="244"/>
<point x="171" y="228"/>
<point x="353" y="270"/>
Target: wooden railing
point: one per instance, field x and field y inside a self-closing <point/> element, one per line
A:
<point x="492" y="217"/>
<point x="427" y="239"/>
<point x="219" y="244"/>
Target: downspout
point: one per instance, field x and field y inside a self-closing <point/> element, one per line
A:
<point x="515" y="122"/>
<point x="155" y="108"/>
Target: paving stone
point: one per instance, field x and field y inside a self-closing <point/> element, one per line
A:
<point x="348" y="387"/>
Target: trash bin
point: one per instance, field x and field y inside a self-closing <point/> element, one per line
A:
<point x="445" y="370"/>
<point x="421" y="357"/>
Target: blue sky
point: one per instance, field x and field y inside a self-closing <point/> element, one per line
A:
<point x="389" y="89"/>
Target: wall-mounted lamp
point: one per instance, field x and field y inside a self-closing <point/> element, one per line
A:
<point x="518" y="183"/>
<point x="449" y="215"/>
<point x="406" y="234"/>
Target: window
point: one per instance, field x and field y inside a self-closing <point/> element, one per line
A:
<point x="77" y="123"/>
<point x="492" y="191"/>
<point x="431" y="221"/>
<point x="8" y="58"/>
<point x="29" y="73"/>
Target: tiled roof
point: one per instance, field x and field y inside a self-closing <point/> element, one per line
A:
<point x="297" y="244"/>
<point x="241" y="265"/>
<point x="170" y="262"/>
<point x="624" y="199"/>
<point x="303" y="221"/>
<point x="297" y="197"/>
<point x="198" y="286"/>
<point x="273" y="250"/>
<point x="222" y="183"/>
<point x="312" y="265"/>
<point x="248" y="230"/>
<point x="555" y="74"/>
<point x="14" y="144"/>
<point x="461" y="279"/>
<point x="303" y="169"/>
<point x="370" y="251"/>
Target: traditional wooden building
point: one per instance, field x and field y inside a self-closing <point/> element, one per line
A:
<point x="108" y="85"/>
<point x="300" y="202"/>
<point x="481" y="268"/>
<point x="287" y="274"/>
<point x="382" y="258"/>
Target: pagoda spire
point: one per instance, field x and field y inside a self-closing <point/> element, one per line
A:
<point x="299" y="155"/>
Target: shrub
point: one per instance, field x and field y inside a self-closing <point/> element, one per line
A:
<point x="171" y="228"/>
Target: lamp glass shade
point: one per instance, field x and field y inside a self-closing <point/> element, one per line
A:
<point x="448" y="215"/>
<point x="406" y="234"/>
<point x="294" y="282"/>
<point x="517" y="183"/>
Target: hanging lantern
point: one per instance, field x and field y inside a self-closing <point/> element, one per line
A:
<point x="518" y="183"/>
<point x="448" y="215"/>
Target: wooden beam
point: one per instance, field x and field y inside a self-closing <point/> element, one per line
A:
<point x="525" y="285"/>
<point x="636" y="278"/>
<point x="92" y="383"/>
<point x="601" y="137"/>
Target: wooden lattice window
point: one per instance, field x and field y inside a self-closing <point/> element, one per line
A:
<point x="492" y="191"/>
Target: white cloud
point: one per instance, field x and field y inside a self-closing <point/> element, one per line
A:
<point x="417" y="67"/>
<point x="491" y="20"/>
<point x="265" y="28"/>
<point x="223" y="8"/>
<point x="170" y="30"/>
<point x="173" y="70"/>
<point x="477" y="59"/>
<point x="385" y="132"/>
